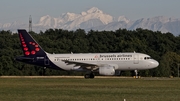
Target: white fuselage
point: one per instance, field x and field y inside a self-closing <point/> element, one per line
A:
<point x="121" y="61"/>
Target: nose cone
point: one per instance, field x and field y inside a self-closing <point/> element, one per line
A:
<point x="154" y="63"/>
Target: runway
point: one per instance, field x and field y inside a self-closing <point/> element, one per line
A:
<point x="61" y="77"/>
<point x="118" y="77"/>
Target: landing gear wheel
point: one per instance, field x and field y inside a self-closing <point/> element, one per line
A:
<point x="136" y="74"/>
<point x="87" y="76"/>
<point x="91" y="75"/>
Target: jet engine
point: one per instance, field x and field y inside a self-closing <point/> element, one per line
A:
<point x="107" y="70"/>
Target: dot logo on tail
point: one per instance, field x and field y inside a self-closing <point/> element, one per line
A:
<point x="26" y="49"/>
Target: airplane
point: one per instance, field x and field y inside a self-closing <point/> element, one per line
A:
<point x="91" y="63"/>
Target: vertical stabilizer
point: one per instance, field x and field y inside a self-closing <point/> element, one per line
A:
<point x="29" y="46"/>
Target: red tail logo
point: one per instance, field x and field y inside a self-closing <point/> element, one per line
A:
<point x="28" y="51"/>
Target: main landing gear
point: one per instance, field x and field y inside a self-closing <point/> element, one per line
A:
<point x="89" y="75"/>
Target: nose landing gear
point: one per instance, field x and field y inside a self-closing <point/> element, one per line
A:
<point x="136" y="74"/>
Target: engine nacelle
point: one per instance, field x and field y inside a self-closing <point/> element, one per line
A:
<point x="107" y="70"/>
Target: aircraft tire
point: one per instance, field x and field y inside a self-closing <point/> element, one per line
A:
<point x="89" y="76"/>
<point x="86" y="76"/>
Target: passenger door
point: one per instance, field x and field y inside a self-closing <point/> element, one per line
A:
<point x="136" y="58"/>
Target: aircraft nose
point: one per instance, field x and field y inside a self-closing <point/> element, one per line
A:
<point x="154" y="63"/>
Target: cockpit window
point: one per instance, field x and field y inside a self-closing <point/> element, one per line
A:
<point x="146" y="58"/>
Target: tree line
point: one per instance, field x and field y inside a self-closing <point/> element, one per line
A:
<point x="163" y="47"/>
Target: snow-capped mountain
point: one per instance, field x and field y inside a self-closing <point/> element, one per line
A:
<point x="159" y="23"/>
<point x="98" y="20"/>
<point x="91" y="18"/>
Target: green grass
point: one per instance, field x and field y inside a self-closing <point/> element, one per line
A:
<point x="98" y="89"/>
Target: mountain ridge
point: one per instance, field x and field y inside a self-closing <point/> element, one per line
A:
<point x="96" y="19"/>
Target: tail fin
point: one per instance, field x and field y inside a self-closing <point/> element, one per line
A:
<point x="29" y="46"/>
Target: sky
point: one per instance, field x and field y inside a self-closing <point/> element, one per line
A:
<point x="20" y="10"/>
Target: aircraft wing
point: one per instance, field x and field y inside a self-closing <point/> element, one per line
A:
<point x="81" y="64"/>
